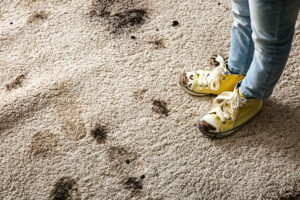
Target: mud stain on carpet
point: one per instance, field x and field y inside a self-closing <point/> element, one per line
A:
<point x="133" y="183"/>
<point x="15" y="83"/>
<point x="124" y="165"/>
<point x="136" y="186"/>
<point x="43" y="144"/>
<point x="119" y="16"/>
<point x="65" y="188"/>
<point x="121" y="154"/>
<point x="100" y="134"/>
<point x="37" y="16"/>
<point x="69" y="114"/>
<point x="157" y="44"/>
<point x="139" y="94"/>
<point x="122" y="161"/>
<point x="160" y="107"/>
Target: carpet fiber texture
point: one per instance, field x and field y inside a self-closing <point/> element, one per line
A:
<point x="90" y="107"/>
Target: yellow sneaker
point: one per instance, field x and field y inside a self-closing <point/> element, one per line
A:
<point x="232" y="111"/>
<point x="202" y="82"/>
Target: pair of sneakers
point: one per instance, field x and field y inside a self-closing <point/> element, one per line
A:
<point x="232" y="110"/>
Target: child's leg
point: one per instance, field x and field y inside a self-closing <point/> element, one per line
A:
<point x="242" y="48"/>
<point x="201" y="82"/>
<point x="273" y="23"/>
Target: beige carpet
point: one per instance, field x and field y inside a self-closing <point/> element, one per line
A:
<point x="90" y="107"/>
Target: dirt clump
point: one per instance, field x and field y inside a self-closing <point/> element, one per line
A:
<point x="175" y="23"/>
<point x="100" y="134"/>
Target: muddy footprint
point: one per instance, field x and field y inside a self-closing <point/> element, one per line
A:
<point x="43" y="144"/>
<point x="15" y="83"/>
<point x="119" y="15"/>
<point x="160" y="107"/>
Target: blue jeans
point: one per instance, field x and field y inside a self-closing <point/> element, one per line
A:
<point x="262" y="34"/>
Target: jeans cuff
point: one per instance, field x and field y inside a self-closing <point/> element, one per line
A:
<point x="236" y="71"/>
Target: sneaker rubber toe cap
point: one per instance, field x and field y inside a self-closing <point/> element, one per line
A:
<point x="208" y="124"/>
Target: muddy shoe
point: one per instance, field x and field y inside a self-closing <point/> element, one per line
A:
<point x="231" y="112"/>
<point x="202" y="82"/>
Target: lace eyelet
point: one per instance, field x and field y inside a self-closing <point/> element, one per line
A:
<point x="224" y="122"/>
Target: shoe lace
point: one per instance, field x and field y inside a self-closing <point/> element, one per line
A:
<point x="213" y="78"/>
<point x="227" y="105"/>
